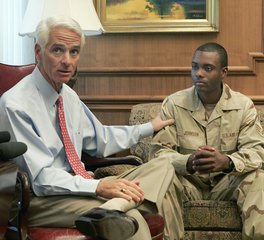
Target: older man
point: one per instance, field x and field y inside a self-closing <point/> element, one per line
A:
<point x="47" y="115"/>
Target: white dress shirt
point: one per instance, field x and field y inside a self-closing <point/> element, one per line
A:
<point x="29" y="112"/>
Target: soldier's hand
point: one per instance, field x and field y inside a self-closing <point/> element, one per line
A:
<point x="208" y="159"/>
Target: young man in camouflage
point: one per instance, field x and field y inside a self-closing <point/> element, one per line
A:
<point x="216" y="143"/>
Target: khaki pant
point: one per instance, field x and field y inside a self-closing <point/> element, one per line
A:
<point x="157" y="181"/>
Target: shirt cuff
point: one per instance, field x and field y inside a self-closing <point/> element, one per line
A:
<point x="88" y="186"/>
<point x="145" y="130"/>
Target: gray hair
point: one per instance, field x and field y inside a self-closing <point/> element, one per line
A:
<point x="46" y="25"/>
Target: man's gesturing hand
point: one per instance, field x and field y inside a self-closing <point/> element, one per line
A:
<point x="120" y="188"/>
<point x="158" y="123"/>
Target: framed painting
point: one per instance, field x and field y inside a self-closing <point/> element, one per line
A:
<point x="159" y="15"/>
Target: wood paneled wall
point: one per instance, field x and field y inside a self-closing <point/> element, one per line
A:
<point x="118" y="70"/>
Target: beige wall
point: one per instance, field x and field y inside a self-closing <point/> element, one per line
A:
<point x="119" y="70"/>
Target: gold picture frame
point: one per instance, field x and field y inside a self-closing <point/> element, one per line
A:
<point x="132" y="16"/>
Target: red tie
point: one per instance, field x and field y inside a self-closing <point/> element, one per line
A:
<point x="69" y="148"/>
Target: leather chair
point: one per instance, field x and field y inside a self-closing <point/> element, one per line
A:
<point x="18" y="228"/>
<point x="10" y="75"/>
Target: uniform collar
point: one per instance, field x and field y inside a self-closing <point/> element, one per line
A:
<point x="189" y="100"/>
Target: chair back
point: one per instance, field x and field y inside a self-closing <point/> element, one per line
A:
<point x="143" y="113"/>
<point x="12" y="74"/>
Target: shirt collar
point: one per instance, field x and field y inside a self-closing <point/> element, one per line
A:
<point x="228" y="101"/>
<point x="47" y="92"/>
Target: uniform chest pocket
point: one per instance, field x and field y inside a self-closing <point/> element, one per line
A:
<point x="229" y="141"/>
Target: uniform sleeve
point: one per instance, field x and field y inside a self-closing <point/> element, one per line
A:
<point x="250" y="146"/>
<point x="165" y="142"/>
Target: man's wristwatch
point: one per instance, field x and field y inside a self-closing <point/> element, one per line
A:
<point x="231" y="167"/>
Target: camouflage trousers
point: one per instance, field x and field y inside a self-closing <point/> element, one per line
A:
<point x="246" y="190"/>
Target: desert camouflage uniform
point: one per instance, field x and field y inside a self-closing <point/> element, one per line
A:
<point x="234" y="129"/>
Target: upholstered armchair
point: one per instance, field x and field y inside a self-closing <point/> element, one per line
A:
<point x="18" y="227"/>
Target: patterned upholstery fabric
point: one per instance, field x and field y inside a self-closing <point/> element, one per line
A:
<point x="260" y="109"/>
<point x="205" y="215"/>
<point x="212" y="235"/>
<point x="142" y="113"/>
<point x="111" y="170"/>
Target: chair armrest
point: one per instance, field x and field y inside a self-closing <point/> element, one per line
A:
<point x="92" y="163"/>
<point x="23" y="187"/>
<point x="17" y="224"/>
<point x="8" y="173"/>
<point x="23" y="179"/>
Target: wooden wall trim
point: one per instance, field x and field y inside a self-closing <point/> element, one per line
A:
<point x="118" y="102"/>
<point x="126" y="102"/>
<point x="258" y="100"/>
<point x="127" y="71"/>
<point x="166" y="71"/>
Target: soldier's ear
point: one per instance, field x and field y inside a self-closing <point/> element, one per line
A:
<point x="225" y="70"/>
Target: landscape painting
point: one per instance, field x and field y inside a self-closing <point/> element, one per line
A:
<point x="158" y="15"/>
<point x="155" y="9"/>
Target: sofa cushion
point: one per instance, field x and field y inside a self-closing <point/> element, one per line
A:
<point x="212" y="235"/>
<point x="207" y="214"/>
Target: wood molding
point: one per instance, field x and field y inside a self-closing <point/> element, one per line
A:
<point x="127" y="71"/>
<point x="118" y="103"/>
<point x="254" y="58"/>
<point x="258" y="100"/>
<point x="166" y="71"/>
